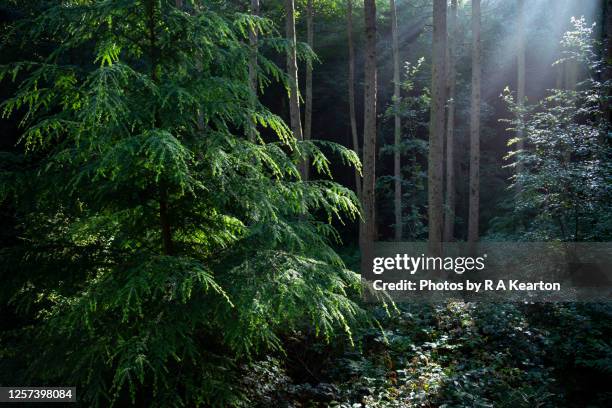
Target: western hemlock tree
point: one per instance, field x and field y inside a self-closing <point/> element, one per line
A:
<point x="161" y="242"/>
<point x="436" y="133"/>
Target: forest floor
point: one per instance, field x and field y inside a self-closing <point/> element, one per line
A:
<point x="452" y="355"/>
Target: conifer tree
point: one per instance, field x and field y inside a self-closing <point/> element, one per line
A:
<point x="162" y="243"/>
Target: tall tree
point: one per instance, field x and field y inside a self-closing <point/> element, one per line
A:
<point x="292" y="70"/>
<point x="436" y="134"/>
<point x="107" y="135"/>
<point x="351" y="89"/>
<point x="474" y="202"/>
<point x="367" y="231"/>
<point x="253" y="43"/>
<point x="449" y="220"/>
<point x="308" y="100"/>
<point x="607" y="52"/>
<point x="520" y="62"/>
<point x="397" y="125"/>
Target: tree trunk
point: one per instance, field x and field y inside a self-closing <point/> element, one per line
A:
<point x="436" y="134"/>
<point x="367" y="230"/>
<point x="292" y="70"/>
<point x="520" y="98"/>
<point x="308" y="101"/>
<point x="398" y="125"/>
<point x="253" y="43"/>
<point x="351" y="91"/>
<point x="474" y="210"/>
<point x="164" y="218"/>
<point x="449" y="220"/>
<point x="607" y="52"/>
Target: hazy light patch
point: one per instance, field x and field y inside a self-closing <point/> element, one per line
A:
<point x="545" y="23"/>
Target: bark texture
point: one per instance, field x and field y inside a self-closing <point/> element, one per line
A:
<point x="607" y="53"/>
<point x="308" y="100"/>
<point x="292" y="70"/>
<point x="253" y="43"/>
<point x="520" y="97"/>
<point x="367" y="231"/>
<point x="351" y="90"/>
<point x="449" y="219"/>
<point x="164" y="213"/>
<point x="397" y="138"/>
<point x="474" y="204"/>
<point x="436" y="133"/>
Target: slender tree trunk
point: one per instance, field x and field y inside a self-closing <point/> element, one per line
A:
<point x="164" y="217"/>
<point x="367" y="230"/>
<point x="436" y="134"/>
<point x="449" y="220"/>
<point x="474" y="210"/>
<point x="308" y="101"/>
<point x="398" y="125"/>
<point x="521" y="81"/>
<point x="351" y="90"/>
<point x="608" y="56"/>
<point x="292" y="70"/>
<point x="608" y="31"/>
<point x="253" y="43"/>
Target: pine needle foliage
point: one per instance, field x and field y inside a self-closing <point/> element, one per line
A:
<point x="159" y="245"/>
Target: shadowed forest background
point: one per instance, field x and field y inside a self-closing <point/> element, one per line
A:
<point x="188" y="190"/>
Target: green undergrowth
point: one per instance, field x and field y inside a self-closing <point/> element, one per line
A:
<point x="453" y="355"/>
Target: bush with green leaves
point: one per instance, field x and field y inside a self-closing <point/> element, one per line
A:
<point x="563" y="173"/>
<point x="158" y="243"/>
<point x="414" y="111"/>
